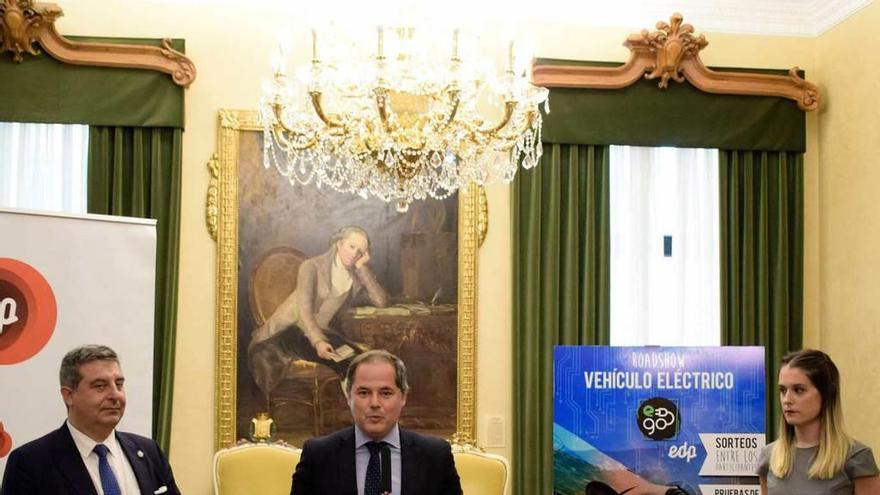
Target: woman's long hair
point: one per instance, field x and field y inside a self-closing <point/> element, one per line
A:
<point x="834" y="442"/>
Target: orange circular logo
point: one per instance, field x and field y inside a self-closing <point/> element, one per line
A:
<point x="27" y="311"/>
<point x="5" y="441"/>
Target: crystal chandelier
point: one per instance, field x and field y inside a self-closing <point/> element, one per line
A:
<point x="400" y="124"/>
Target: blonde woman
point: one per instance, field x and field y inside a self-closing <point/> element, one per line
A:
<point x="814" y="454"/>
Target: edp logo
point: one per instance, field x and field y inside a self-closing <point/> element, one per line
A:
<point x="658" y="418"/>
<point x="7" y="313"/>
<point x="28" y="311"/>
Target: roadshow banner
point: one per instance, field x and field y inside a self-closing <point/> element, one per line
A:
<point x="657" y="420"/>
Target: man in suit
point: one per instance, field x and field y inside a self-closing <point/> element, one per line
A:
<point x="348" y="462"/>
<point x="87" y="456"/>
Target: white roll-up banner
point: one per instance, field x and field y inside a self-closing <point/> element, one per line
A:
<point x="66" y="281"/>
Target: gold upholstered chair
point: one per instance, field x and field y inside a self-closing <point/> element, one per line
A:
<point x="272" y="280"/>
<point x="250" y="468"/>
<point x="481" y="473"/>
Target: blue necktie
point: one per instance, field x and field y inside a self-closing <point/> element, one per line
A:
<point x="373" y="481"/>
<point x="108" y="479"/>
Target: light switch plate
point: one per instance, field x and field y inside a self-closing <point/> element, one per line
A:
<point x="495" y="431"/>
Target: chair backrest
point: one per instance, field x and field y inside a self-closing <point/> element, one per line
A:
<point x="273" y="279"/>
<point x="254" y="468"/>
<point x="481" y="473"/>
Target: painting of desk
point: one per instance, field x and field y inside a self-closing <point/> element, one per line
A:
<point x="422" y="336"/>
<point x="426" y="341"/>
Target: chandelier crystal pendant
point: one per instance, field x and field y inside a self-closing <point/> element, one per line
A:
<point x="400" y="125"/>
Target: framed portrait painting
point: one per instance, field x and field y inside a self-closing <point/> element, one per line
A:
<point x="308" y="277"/>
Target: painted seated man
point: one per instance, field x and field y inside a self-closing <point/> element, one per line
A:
<point x="302" y="327"/>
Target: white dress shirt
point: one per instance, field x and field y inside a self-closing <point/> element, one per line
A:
<point x="362" y="457"/>
<point x="116" y="457"/>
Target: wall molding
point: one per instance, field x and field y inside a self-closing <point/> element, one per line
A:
<point x="799" y="18"/>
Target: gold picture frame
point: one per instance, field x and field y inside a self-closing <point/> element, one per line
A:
<point x="222" y="219"/>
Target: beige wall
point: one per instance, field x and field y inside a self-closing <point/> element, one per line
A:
<point x="230" y="44"/>
<point x="849" y="142"/>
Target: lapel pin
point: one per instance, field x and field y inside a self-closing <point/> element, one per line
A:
<point x="140" y="453"/>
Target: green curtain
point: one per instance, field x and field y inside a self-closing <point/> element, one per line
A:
<point x="560" y="290"/>
<point x="761" y="197"/>
<point x="136" y="172"/>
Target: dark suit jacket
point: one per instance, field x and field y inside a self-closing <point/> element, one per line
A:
<point x="327" y="466"/>
<point x="52" y="465"/>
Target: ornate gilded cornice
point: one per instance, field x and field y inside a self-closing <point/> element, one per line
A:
<point x="21" y="25"/>
<point x="25" y="24"/>
<point x="670" y="44"/>
<point x="482" y="216"/>
<point x="672" y="52"/>
<point x="211" y="200"/>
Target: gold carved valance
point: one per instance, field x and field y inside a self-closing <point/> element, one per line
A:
<point x="25" y="24"/>
<point x="672" y="53"/>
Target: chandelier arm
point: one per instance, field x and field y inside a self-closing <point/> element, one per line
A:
<point x="382" y="106"/>
<point x="279" y="128"/>
<point x="515" y="132"/>
<point x="315" y="97"/>
<point x="509" y="107"/>
<point x="278" y="133"/>
<point x="455" y="96"/>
